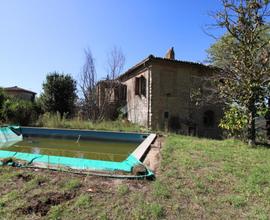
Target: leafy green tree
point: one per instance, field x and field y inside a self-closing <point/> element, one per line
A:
<point x="243" y="56"/>
<point x="59" y="94"/>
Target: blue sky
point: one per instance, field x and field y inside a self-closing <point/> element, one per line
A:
<point x="42" y="36"/>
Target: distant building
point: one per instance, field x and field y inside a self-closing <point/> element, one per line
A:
<point x="20" y="93"/>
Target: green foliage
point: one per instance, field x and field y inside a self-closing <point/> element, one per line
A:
<point x="18" y="111"/>
<point x="235" y="121"/>
<point x="59" y="94"/>
<point x="2" y="98"/>
<point x="243" y="54"/>
<point x="219" y="53"/>
<point x="38" y="106"/>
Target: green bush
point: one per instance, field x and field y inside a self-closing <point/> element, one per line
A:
<point x="18" y="111"/>
<point x="235" y="122"/>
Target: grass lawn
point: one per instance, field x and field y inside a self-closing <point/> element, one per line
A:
<point x="198" y="178"/>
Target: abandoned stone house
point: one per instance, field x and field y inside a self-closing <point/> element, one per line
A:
<point x="157" y="92"/>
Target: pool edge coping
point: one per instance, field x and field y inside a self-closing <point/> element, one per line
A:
<point x="79" y="129"/>
<point x="141" y="150"/>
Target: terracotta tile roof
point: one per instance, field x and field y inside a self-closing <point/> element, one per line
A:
<point x="152" y="58"/>
<point x="16" y="88"/>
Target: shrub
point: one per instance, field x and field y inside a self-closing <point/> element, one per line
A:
<point x="18" y="111"/>
<point x="235" y="122"/>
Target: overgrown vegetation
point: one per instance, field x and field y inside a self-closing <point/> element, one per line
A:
<point x="17" y="111"/>
<point x="198" y="179"/>
<point x="57" y="121"/>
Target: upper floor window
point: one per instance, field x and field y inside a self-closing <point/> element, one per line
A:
<point x="140" y="86"/>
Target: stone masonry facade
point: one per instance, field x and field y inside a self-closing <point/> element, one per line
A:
<point x="165" y="103"/>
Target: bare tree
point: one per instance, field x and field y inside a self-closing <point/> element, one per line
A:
<point x="115" y="62"/>
<point x="87" y="84"/>
<point x="100" y="99"/>
<point x="112" y="86"/>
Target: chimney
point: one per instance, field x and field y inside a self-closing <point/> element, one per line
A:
<point x="170" y="54"/>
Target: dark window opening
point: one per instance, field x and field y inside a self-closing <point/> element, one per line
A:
<point x="166" y="115"/>
<point x="123" y="93"/>
<point x="143" y="86"/>
<point x="137" y="84"/>
<point x="209" y="118"/>
<point x="140" y="86"/>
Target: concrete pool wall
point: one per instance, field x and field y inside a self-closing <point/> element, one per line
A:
<point x="85" y="164"/>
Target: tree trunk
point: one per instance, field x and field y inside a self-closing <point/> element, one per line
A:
<point x="252" y="128"/>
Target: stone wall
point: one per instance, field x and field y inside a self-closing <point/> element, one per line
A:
<point x="172" y="108"/>
<point x="170" y="91"/>
<point x="167" y="104"/>
<point x="138" y="105"/>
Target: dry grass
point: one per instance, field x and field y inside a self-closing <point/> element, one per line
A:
<point x="56" y="121"/>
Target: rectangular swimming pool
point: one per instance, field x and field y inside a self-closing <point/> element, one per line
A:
<point x="77" y="149"/>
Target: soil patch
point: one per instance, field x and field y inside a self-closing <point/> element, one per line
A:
<point x="24" y="176"/>
<point x="42" y="204"/>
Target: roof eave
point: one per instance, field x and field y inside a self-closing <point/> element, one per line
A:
<point x="134" y="68"/>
